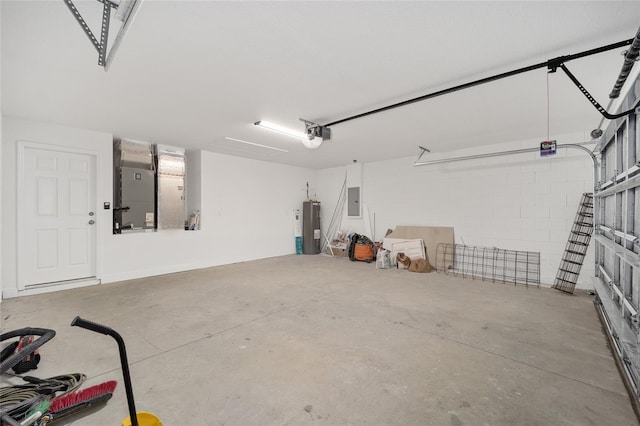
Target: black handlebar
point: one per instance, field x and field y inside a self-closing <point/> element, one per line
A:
<point x="90" y="325"/>
<point x="45" y="335"/>
<point x="99" y="328"/>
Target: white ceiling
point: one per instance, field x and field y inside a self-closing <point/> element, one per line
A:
<point x="190" y="73"/>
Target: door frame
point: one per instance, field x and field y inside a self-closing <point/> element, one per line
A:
<point x="21" y="214"/>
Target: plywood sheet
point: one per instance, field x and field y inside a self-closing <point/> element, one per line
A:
<point x="431" y="235"/>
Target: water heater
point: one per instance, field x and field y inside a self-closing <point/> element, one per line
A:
<point x="311" y="227"/>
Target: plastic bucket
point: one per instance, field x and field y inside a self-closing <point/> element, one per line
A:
<point x="144" y="419"/>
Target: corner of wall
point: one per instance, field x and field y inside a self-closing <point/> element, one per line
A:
<point x="1" y="197"/>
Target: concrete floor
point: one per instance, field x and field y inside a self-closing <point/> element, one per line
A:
<point x="302" y="340"/>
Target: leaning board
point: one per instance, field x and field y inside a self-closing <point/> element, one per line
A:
<point x="431" y="235"/>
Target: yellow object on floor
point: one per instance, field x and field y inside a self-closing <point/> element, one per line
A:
<point x="144" y="419"/>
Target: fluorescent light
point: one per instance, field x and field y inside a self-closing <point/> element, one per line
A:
<point x="281" y="129"/>
<point x="255" y="144"/>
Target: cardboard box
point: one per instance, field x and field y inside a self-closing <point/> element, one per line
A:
<point x="339" y="252"/>
<point x="339" y="249"/>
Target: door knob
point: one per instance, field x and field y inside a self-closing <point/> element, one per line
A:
<point x="91" y="213"/>
<point x="91" y="222"/>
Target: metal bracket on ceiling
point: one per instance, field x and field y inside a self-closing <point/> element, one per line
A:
<point x="631" y="55"/>
<point x="83" y="24"/>
<point x="104" y="32"/>
<point x="125" y="13"/>
<point x="113" y="4"/>
<point x="100" y="46"/>
<point x="591" y="99"/>
<point x="422" y="152"/>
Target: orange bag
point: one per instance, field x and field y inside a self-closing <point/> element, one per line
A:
<point x="363" y="252"/>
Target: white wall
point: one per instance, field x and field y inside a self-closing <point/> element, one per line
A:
<point x="246" y="215"/>
<point x="520" y="202"/>
<point x="246" y="210"/>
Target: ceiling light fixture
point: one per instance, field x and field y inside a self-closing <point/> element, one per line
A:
<point x="311" y="143"/>
<point x="312" y="137"/>
<point x="255" y="144"/>
<point x="281" y="129"/>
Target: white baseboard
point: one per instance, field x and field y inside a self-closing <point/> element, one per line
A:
<point x="143" y="273"/>
<point x="48" y="288"/>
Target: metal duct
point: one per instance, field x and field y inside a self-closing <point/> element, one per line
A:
<point x="133" y="154"/>
<point x="133" y="186"/>
<point x="171" y="176"/>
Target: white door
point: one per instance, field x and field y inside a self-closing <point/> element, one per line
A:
<point x="57" y="231"/>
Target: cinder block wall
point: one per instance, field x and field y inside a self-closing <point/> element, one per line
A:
<point x="517" y="202"/>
